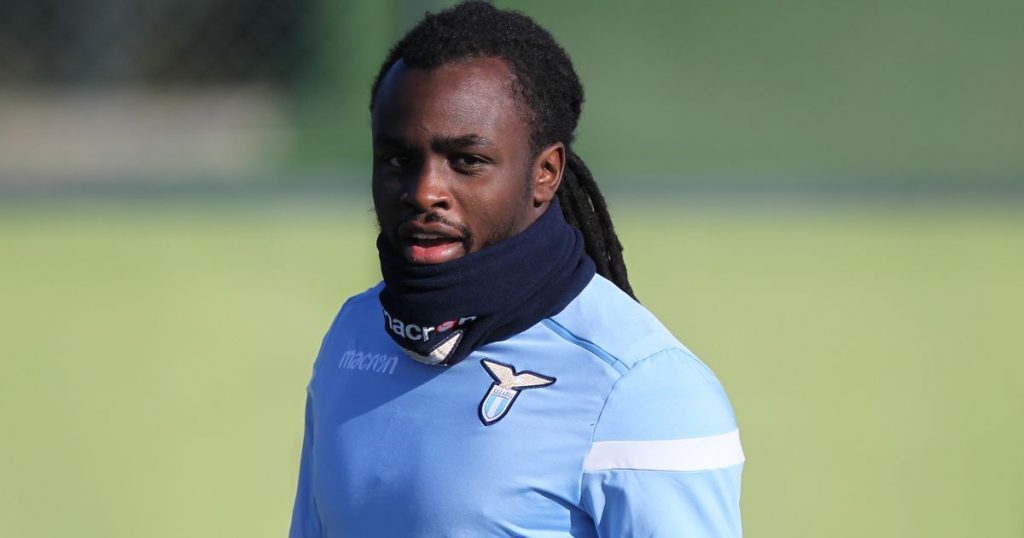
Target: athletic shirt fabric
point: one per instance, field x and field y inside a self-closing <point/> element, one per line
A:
<point x="593" y="422"/>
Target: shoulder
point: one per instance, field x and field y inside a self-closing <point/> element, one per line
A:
<point x="668" y="395"/>
<point x="359" y="311"/>
<point x="356" y="309"/>
<point x="610" y="323"/>
<point x="361" y="302"/>
<point x="362" y="309"/>
<point x="662" y="390"/>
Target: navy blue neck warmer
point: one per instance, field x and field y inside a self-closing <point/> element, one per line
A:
<point x="440" y="313"/>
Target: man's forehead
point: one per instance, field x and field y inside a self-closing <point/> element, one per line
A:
<point x="437" y="139"/>
<point x="465" y="96"/>
<point x="482" y="74"/>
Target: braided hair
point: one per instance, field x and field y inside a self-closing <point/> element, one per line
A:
<point x="545" y="82"/>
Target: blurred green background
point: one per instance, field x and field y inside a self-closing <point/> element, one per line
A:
<point x="822" y="199"/>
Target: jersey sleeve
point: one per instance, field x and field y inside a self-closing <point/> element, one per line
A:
<point x="305" y="516"/>
<point x="666" y="457"/>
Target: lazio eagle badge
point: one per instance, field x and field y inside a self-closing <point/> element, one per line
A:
<point x="505" y="389"/>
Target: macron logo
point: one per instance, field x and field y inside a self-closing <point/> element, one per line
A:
<point x="377" y="363"/>
<point x="419" y="333"/>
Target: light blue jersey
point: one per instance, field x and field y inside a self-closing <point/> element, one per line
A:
<point x="594" y="422"/>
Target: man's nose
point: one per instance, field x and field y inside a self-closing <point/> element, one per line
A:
<point x="427" y="188"/>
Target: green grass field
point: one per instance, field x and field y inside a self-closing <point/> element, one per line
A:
<point x="154" y="359"/>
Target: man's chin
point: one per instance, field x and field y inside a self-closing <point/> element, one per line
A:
<point x="434" y="254"/>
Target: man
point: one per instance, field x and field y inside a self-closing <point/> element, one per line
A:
<point x="493" y="384"/>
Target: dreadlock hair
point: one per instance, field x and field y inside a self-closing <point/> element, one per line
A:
<point x="545" y="82"/>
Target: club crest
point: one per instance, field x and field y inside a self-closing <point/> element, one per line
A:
<point x="505" y="389"/>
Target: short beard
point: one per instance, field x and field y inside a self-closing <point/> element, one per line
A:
<point x="509" y="229"/>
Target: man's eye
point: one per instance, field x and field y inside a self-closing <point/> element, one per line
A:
<point x="397" y="161"/>
<point x="467" y="161"/>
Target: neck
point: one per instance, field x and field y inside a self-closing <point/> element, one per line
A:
<point x="441" y="313"/>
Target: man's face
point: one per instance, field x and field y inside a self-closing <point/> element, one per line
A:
<point x="452" y="167"/>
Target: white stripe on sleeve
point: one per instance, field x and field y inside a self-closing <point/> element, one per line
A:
<point x="696" y="454"/>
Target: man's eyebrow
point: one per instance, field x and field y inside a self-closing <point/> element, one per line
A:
<point x="383" y="139"/>
<point x="441" y="143"/>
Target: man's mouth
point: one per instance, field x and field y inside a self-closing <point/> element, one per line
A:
<point x="430" y="247"/>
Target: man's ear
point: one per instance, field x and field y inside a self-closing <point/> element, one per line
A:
<point x="548" y="168"/>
